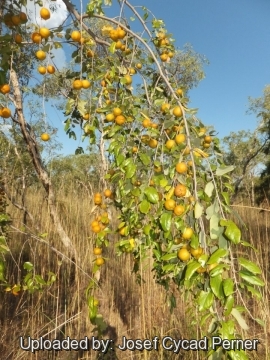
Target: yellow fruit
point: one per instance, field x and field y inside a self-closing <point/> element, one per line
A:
<point x="170" y="54"/>
<point x="85" y="84"/>
<point x="15" y="20"/>
<point x="121" y="33"/>
<point x="120" y="120"/>
<point x="152" y="143"/>
<point x="201" y="270"/>
<point x="164" y="57"/>
<point x="45" y="137"/>
<point x="5" y="112"/>
<point x="187" y="233"/>
<point x="110" y="117"/>
<point x="41" y="55"/>
<point x="44" y="32"/>
<point x="77" y="84"/>
<point x="118" y="45"/>
<point x="158" y="169"/>
<point x="154" y="126"/>
<point x="177" y="111"/>
<point x="122" y="231"/>
<point x="97" y="251"/>
<point x="180" y="138"/>
<point x="196" y="252"/>
<point x="114" y="35"/>
<point x="75" y="35"/>
<point x="5" y="89"/>
<point x="117" y="111"/>
<point x="180" y="190"/>
<point x="186" y="151"/>
<point x="208" y="139"/>
<point x="183" y="254"/>
<point x="18" y="39"/>
<point x="95" y="222"/>
<point x="146" y="123"/>
<point x="90" y="53"/>
<point x="128" y="79"/>
<point x="50" y="69"/>
<point x="107" y="193"/>
<point x="100" y="261"/>
<point x="139" y="66"/>
<point x="170" y="144"/>
<point x="206" y="145"/>
<point x="42" y="70"/>
<point x="180" y="92"/>
<point x="179" y="210"/>
<point x="169" y="204"/>
<point x="23" y="17"/>
<point x="134" y="149"/>
<point x="181" y="168"/>
<point x="36" y="38"/>
<point x="45" y="13"/>
<point x="165" y="107"/>
<point x="132" y="71"/>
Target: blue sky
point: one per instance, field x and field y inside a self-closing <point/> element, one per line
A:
<point x="235" y="38"/>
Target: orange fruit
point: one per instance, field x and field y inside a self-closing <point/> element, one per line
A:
<point x="90" y="53"/>
<point x="45" y="137"/>
<point x="170" y="144"/>
<point x="97" y="251"/>
<point x="100" y="261"/>
<point x="77" y="84"/>
<point x="97" y="201"/>
<point x="96" y="229"/>
<point x="121" y="33"/>
<point x="36" y="38"/>
<point x="180" y="138"/>
<point x="179" y="210"/>
<point x="180" y="92"/>
<point x="146" y="123"/>
<point x="95" y="222"/>
<point x="45" y="13"/>
<point x="18" y="39"/>
<point x="85" y="84"/>
<point x="44" y="32"/>
<point x="208" y="139"/>
<point x="181" y="168"/>
<point x="183" y="254"/>
<point x="169" y="204"/>
<point x="110" y="117"/>
<point x="196" y="252"/>
<point x="187" y="233"/>
<point x="41" y="55"/>
<point x="206" y="145"/>
<point x="154" y="126"/>
<point x="180" y="190"/>
<point x="117" y="111"/>
<point x="132" y="71"/>
<point x="164" y="57"/>
<point x="139" y="66"/>
<point x="103" y="83"/>
<point x="86" y="116"/>
<point x="5" y="89"/>
<point x="42" y="70"/>
<point x="170" y="54"/>
<point x="186" y="151"/>
<point x="120" y="120"/>
<point x="23" y="17"/>
<point x="152" y="143"/>
<point x="114" y="35"/>
<point x="75" y="35"/>
<point x="5" y="112"/>
<point x="50" y="69"/>
<point x="16" y="20"/>
<point x="165" y="107"/>
<point x="128" y="79"/>
<point x="177" y="111"/>
<point x="134" y="149"/>
<point x="108" y="193"/>
<point x="118" y="45"/>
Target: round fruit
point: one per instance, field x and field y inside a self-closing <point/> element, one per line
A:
<point x="44" y="32"/>
<point x="177" y="111"/>
<point x="139" y="66"/>
<point x="41" y="55"/>
<point x="23" y="17"/>
<point x="153" y="143"/>
<point x="36" y="38"/>
<point x="117" y="111"/>
<point x="120" y="120"/>
<point x="135" y="149"/>
<point x="180" y="92"/>
<point x="110" y="117"/>
<point x="187" y="233"/>
<point x="146" y="123"/>
<point x="128" y="79"/>
<point x="42" y="70"/>
<point x="100" y="261"/>
<point x="114" y="35"/>
<point x="170" y="144"/>
<point x="97" y="251"/>
<point x="206" y="145"/>
<point x="97" y="200"/>
<point x="18" y="39"/>
<point x="107" y="193"/>
<point x="5" y="112"/>
<point x="90" y="53"/>
<point x="15" y="20"/>
<point x="177" y="241"/>
<point x="45" y="13"/>
<point x="170" y="54"/>
<point x="183" y="254"/>
<point x="77" y="84"/>
<point x="165" y="107"/>
<point x="164" y="57"/>
<point x="75" y="35"/>
<point x="201" y="270"/>
<point x="180" y="138"/>
<point x="208" y="139"/>
<point x="95" y="222"/>
<point x="180" y="190"/>
<point x="121" y="33"/>
<point x="118" y="45"/>
<point x="85" y="84"/>
<point x="132" y="71"/>
<point x="45" y="137"/>
<point x="196" y="252"/>
<point x="50" y="69"/>
<point x="181" y="168"/>
<point x="158" y="169"/>
<point x="179" y="210"/>
<point x="186" y="151"/>
<point x="5" y="89"/>
<point x="169" y="204"/>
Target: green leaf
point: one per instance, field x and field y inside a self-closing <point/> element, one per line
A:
<point x="205" y="300"/>
<point x="209" y="187"/>
<point x="151" y="194"/>
<point x="249" y="265"/>
<point x="226" y="197"/>
<point x="130" y="171"/>
<point x="191" y="268"/>
<point x="144" y="207"/>
<point x="145" y="159"/>
<point x="170" y="256"/>
<point x="112" y="48"/>
<point x="28" y="266"/>
<point x="254" y="292"/>
<point x="228" y="305"/>
<point x="198" y="210"/>
<point x="214" y="228"/>
<point x="222" y="170"/>
<point x="228" y="287"/>
<point x="250" y="278"/>
<point x="166" y="221"/>
<point x="241" y="321"/>
<point x="216" y="286"/>
<point x="232" y="232"/>
<point x="119" y="159"/>
<point x="218" y="254"/>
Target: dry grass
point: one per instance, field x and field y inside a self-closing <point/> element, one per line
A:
<point x="131" y="310"/>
